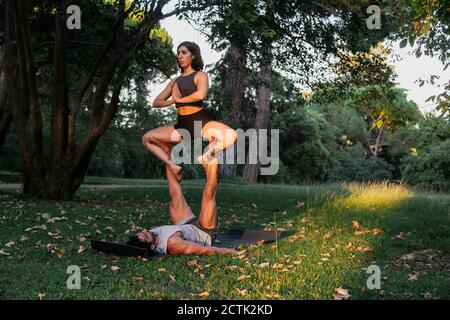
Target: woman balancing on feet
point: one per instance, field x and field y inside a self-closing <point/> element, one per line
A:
<point x="187" y="93"/>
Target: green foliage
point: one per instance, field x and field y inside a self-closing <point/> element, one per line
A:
<point x="428" y="163"/>
<point x="371" y="169"/>
<point x="430" y="169"/>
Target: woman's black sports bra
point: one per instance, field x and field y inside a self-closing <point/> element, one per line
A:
<point x="187" y="86"/>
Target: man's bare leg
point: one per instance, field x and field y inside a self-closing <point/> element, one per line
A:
<point x="208" y="212"/>
<point x="179" y="208"/>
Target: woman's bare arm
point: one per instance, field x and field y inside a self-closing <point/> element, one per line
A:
<point x="200" y="94"/>
<point x="162" y="100"/>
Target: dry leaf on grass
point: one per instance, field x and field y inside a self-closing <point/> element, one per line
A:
<point x="400" y="236"/>
<point x="9" y="244"/>
<point x="243" y="277"/>
<point x="264" y="265"/>
<point x="4" y="253"/>
<point x="172" y="278"/>
<point x="138" y="278"/>
<point x="231" y="267"/>
<point x="341" y="294"/>
<point x="81" y="249"/>
<point x="115" y="268"/>
<point x="41" y="296"/>
<point x="242" y="292"/>
<point x="300" y="204"/>
<point x="413" y="276"/>
<point x="356" y="224"/>
<point x="203" y="294"/>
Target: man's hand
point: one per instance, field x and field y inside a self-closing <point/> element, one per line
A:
<point x="227" y="250"/>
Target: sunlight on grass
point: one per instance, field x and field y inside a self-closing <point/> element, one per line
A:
<point x="374" y="195"/>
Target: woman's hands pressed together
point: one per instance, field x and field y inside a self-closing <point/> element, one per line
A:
<point x="176" y="94"/>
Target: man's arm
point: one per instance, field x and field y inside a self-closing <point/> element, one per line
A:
<point x="177" y="245"/>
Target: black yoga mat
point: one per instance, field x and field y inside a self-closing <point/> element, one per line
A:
<point x="232" y="239"/>
<point x="237" y="237"/>
<point x="119" y="249"/>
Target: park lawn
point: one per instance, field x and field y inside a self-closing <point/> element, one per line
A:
<point x="335" y="232"/>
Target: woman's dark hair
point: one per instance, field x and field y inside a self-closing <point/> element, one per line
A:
<point x="136" y="242"/>
<point x="197" y="62"/>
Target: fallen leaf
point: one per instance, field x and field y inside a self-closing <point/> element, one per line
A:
<point x="138" y="278"/>
<point x="242" y="292"/>
<point x="115" y="268"/>
<point x="400" y="236"/>
<point x="203" y="294"/>
<point x="9" y="244"/>
<point x="4" y="253"/>
<point x="162" y="270"/>
<point x="60" y="252"/>
<point x="243" y="277"/>
<point x="376" y="231"/>
<point x="300" y="204"/>
<point x="231" y="267"/>
<point x="264" y="265"/>
<point x="193" y="263"/>
<point x="356" y="224"/>
<point x="41" y="296"/>
<point x="24" y="238"/>
<point x="413" y="276"/>
<point x="427" y="295"/>
<point x="277" y="265"/>
<point x="81" y="249"/>
<point x="172" y="278"/>
<point x="341" y="294"/>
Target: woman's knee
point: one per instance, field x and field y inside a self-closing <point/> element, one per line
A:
<point x="148" y="138"/>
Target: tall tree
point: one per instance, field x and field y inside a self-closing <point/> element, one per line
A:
<point x="294" y="35"/>
<point x="426" y="27"/>
<point x="228" y="26"/>
<point x="121" y="30"/>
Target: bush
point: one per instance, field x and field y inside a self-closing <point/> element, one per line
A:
<point x="429" y="169"/>
<point x="373" y="169"/>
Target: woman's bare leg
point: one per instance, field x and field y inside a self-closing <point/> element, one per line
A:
<point x="156" y="141"/>
<point x="220" y="137"/>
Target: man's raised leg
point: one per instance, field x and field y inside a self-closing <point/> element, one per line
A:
<point x="179" y="208"/>
<point x="208" y="213"/>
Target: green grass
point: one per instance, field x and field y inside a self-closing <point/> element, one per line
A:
<point x="321" y="221"/>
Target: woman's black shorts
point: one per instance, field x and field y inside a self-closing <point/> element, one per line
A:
<point x="187" y="122"/>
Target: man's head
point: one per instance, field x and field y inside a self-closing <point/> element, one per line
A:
<point x="144" y="239"/>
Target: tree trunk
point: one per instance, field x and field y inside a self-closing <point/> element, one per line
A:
<point x="5" y="114"/>
<point x="263" y="111"/>
<point x="67" y="165"/>
<point x="233" y="93"/>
